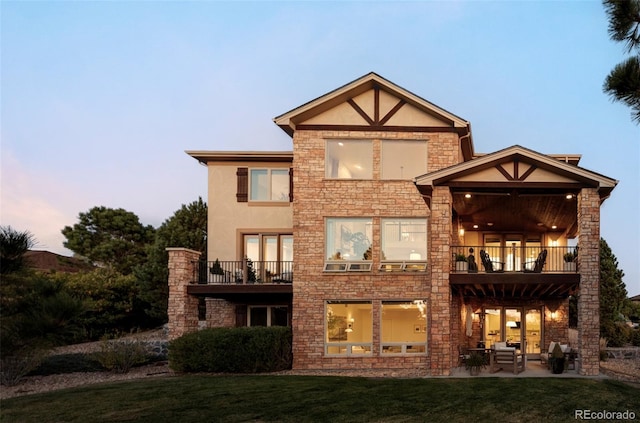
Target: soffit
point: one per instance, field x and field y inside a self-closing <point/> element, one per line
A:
<point x="204" y="156"/>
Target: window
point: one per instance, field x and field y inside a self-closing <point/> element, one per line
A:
<point x="271" y="254"/>
<point x="348" y="328"/>
<point x="349" y="159"/>
<point x="348" y="240"/>
<point x="403" y="159"/>
<point x="268" y="316"/>
<point x="404" y="244"/>
<point x="269" y="185"/>
<point x="404" y="327"/>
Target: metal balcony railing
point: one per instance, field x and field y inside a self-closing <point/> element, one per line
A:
<point x="515" y="259"/>
<point x="243" y="271"/>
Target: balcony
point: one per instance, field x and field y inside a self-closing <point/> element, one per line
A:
<point x="514" y="272"/>
<point x="243" y="272"/>
<point x="516" y="259"/>
<point x="245" y="280"/>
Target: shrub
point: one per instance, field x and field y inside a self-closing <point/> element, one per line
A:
<point x="635" y="338"/>
<point x="15" y="366"/>
<point x="121" y="355"/>
<point x="67" y="363"/>
<point x="232" y="350"/>
<point x="618" y="333"/>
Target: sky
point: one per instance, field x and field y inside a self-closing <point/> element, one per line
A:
<point x="100" y="100"/>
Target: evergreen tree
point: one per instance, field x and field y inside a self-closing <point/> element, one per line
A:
<point x="13" y="246"/>
<point x="186" y="228"/>
<point x="110" y="237"/>
<point x="623" y="83"/>
<point x="613" y="295"/>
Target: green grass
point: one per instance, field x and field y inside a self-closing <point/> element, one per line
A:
<point x="203" y="398"/>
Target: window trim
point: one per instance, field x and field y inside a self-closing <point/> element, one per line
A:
<point x="404" y="346"/>
<point x="348" y="140"/>
<point x="403" y="266"/>
<point x="269" y="176"/>
<point x="367" y="347"/>
<point x="268" y="307"/>
<point x="403" y="178"/>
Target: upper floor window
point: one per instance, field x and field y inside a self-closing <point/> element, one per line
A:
<point x="403" y="159"/>
<point x="348" y="240"/>
<point x="269" y="184"/>
<point x="349" y="159"/>
<point x="404" y="239"/>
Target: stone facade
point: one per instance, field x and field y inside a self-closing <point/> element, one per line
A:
<point x="220" y="313"/>
<point x="316" y="198"/>
<point x="183" y="308"/>
<point x="589" y="296"/>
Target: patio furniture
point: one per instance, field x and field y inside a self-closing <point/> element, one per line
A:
<point x="462" y="355"/>
<point x="566" y="349"/>
<point x="544" y="357"/>
<point x="286" y="277"/>
<point x="536" y="265"/>
<point x="473" y="267"/>
<point x="489" y="264"/>
<point x="506" y="359"/>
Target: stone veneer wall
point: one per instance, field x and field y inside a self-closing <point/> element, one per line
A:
<point x="441" y="300"/>
<point x="220" y="313"/>
<point x="182" y="308"/>
<point x="316" y="198"/>
<point x="589" y="267"/>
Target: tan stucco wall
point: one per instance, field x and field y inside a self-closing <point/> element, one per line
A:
<point x="228" y="217"/>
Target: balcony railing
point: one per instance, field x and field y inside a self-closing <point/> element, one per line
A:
<point x="243" y="272"/>
<point x="516" y="259"/>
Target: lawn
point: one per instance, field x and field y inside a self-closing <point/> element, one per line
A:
<point x="202" y="398"/>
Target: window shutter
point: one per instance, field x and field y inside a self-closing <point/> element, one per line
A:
<point x="243" y="184"/>
<point x="291" y="185"/>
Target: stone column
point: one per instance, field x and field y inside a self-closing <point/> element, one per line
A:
<point x="440" y="304"/>
<point x="183" y="308"/>
<point x="589" y="295"/>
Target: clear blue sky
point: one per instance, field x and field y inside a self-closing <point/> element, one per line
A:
<point x="100" y="99"/>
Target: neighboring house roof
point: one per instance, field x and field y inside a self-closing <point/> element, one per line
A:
<point x="46" y="261"/>
<point x="344" y="100"/>
<point x="635" y="299"/>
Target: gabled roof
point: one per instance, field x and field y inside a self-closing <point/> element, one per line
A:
<point x="291" y="119"/>
<point x="518" y="154"/>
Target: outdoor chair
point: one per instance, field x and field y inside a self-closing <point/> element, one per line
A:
<point x="506" y="359"/>
<point x="536" y="265"/>
<point x="489" y="264"/>
<point x="463" y="355"/>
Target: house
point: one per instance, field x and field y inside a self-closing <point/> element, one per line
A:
<point x="48" y="262"/>
<point x="352" y="238"/>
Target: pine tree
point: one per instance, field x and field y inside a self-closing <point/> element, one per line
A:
<point x="613" y="294"/>
<point x="623" y="83"/>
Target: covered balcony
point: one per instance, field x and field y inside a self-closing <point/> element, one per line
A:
<point x="228" y="279"/>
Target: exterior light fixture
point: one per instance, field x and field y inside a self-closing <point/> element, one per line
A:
<point x="569" y="196"/>
<point x="467" y="196"/>
<point x="475" y="226"/>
